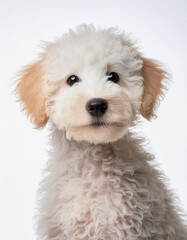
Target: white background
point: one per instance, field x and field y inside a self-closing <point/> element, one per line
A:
<point x="161" y="28"/>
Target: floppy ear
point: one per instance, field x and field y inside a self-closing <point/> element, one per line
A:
<point x="30" y="92"/>
<point x="154" y="86"/>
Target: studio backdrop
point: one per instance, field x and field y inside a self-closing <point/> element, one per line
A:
<point x="160" y="30"/>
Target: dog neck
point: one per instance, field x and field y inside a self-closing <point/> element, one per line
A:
<point x="129" y="149"/>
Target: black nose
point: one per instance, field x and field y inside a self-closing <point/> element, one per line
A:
<point x="97" y="107"/>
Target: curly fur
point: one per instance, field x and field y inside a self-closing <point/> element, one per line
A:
<point x="108" y="191"/>
<point x="100" y="183"/>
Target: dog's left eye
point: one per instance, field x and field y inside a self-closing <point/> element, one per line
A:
<point x="113" y="77"/>
<point x="72" y="80"/>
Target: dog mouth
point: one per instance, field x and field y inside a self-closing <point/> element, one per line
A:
<point x="98" y="123"/>
<point x="101" y="123"/>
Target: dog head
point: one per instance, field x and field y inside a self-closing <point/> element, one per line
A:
<point x="92" y="84"/>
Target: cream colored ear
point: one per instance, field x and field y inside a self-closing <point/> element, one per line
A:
<point x="30" y="92"/>
<point x="154" y="86"/>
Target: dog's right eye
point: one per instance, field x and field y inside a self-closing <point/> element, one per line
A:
<point x="72" y="80"/>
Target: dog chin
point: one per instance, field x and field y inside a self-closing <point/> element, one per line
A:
<point x="96" y="133"/>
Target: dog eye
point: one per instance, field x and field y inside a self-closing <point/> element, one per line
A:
<point x="113" y="77"/>
<point x="72" y="80"/>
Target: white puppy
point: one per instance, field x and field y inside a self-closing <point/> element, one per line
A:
<point x="100" y="184"/>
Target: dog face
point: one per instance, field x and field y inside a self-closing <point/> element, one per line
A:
<point x="92" y="84"/>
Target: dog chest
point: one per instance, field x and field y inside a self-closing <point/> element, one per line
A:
<point x="93" y="193"/>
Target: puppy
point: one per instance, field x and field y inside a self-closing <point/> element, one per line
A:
<point x="92" y="85"/>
